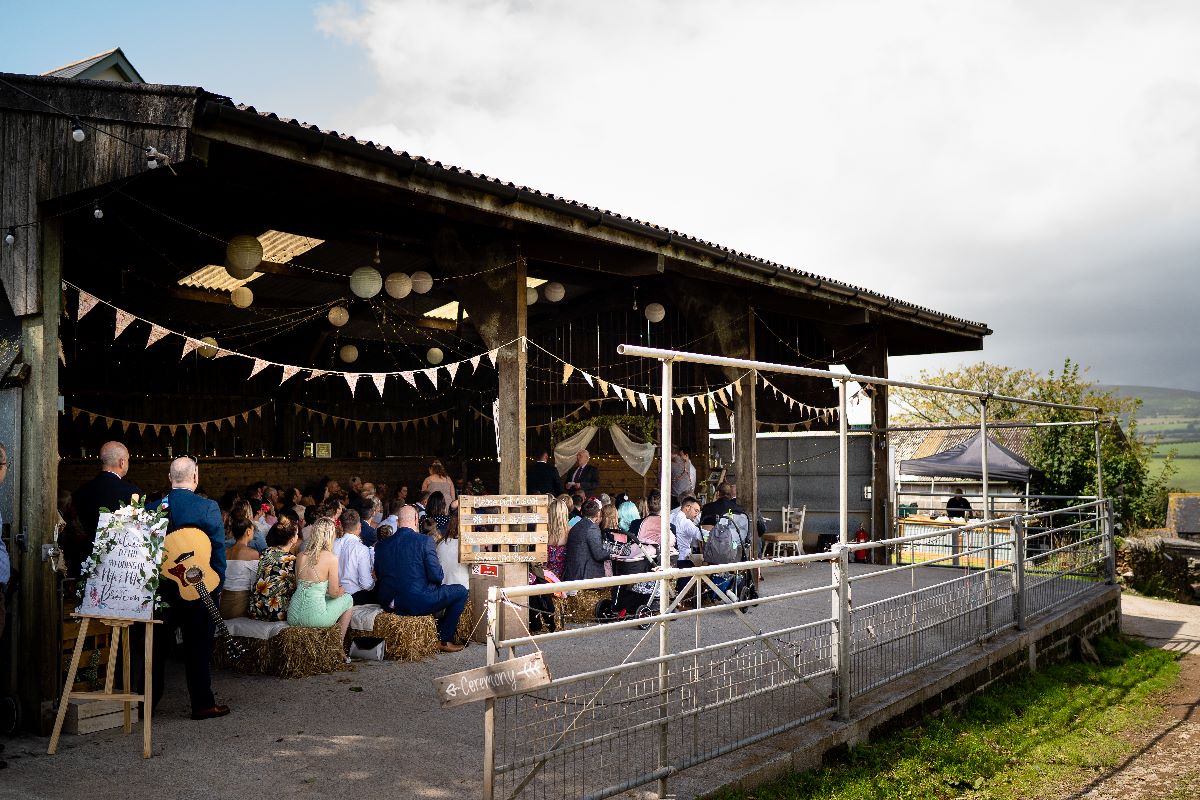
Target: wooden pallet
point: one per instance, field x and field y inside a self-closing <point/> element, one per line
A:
<point x="498" y="529"/>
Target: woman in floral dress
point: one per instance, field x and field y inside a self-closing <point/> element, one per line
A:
<point x="276" y="579"/>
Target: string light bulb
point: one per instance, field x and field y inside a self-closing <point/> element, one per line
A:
<point x="97" y="211"/>
<point x="77" y="131"/>
<point x="151" y="158"/>
<point x="11" y="236"/>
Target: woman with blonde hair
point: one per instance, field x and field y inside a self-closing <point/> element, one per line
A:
<point x="319" y="601"/>
<point x="541" y="607"/>
<point x="438" y="481"/>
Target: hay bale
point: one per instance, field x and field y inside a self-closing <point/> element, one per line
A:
<point x="581" y="606"/>
<point x="406" y="638"/>
<point x="292" y="653"/>
<point x="463" y="634"/>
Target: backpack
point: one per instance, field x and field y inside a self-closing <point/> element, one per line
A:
<point x="727" y="538"/>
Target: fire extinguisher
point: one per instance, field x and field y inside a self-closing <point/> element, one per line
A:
<point x="862" y="555"/>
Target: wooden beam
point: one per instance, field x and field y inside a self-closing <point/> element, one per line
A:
<point x="593" y="256"/>
<point x="745" y="411"/>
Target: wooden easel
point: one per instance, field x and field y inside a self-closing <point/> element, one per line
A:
<point x="119" y="644"/>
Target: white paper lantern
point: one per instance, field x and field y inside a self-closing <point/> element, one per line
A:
<point x="209" y="348"/>
<point x="398" y="285"/>
<point x="243" y="254"/>
<point x="348" y="353"/>
<point x="531" y="296"/>
<point x="655" y="312"/>
<point x="435" y="355"/>
<point x="366" y="282"/>
<point x="338" y="316"/>
<point x="555" y="291"/>
<point x="241" y="297"/>
<point x="422" y="281"/>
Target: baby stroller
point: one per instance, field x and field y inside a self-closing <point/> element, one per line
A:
<point x="631" y="600"/>
<point x="729" y="543"/>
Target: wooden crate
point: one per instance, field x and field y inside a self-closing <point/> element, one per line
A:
<point x="501" y="529"/>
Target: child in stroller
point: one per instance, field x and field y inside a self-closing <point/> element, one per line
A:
<point x="634" y="557"/>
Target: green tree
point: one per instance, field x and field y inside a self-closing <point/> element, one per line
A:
<point x="1065" y="458"/>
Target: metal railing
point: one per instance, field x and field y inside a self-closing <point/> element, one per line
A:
<point x="705" y="679"/>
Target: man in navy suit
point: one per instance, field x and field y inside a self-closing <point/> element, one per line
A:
<point x="543" y="477"/>
<point x="409" y="579"/>
<point x="108" y="490"/>
<point x="584" y="476"/>
<point x="186" y="509"/>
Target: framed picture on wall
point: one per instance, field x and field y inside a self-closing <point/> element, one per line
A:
<point x="324" y="450"/>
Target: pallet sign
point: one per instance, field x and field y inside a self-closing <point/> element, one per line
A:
<point x="491" y="681"/>
<point x="499" y="529"/>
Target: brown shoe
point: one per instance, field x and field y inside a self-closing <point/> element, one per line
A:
<point x="450" y="647"/>
<point x="211" y="713"/>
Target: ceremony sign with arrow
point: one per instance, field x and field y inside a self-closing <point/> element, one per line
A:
<point x="495" y="680"/>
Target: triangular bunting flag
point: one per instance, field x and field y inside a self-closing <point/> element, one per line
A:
<point x="91" y="418"/>
<point x="379" y="379"/>
<point x="157" y="429"/>
<point x="393" y="424"/>
<point x="74" y="413"/>
<point x="408" y="376"/>
<point x="630" y="396"/>
<point x="452" y="369"/>
<point x="124" y="318"/>
<point x="219" y="424"/>
<point x="657" y="403"/>
<point x="679" y="404"/>
<point x="288" y="373"/>
<point x="189" y="344"/>
<point x="351" y="381"/>
<point x="737" y="387"/>
<point x="324" y="418"/>
<point x="259" y="366"/>
<point x="691" y="401"/>
<point x="492" y="356"/>
<point x="475" y="362"/>
<point x="221" y="353"/>
<point x="232" y="421"/>
<point x="586" y="377"/>
<point x="141" y="426"/>
<point x="172" y="429"/>
<point x="86" y="303"/>
<point x="245" y="416"/>
<point x="156" y="332"/>
<point x="316" y="373"/>
<point x="567" y="370"/>
<point x="644" y="400"/>
<point x="603" y="384"/>
<point x="124" y="426"/>
<point x="432" y="374"/>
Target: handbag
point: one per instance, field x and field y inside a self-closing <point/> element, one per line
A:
<point x="368" y="648"/>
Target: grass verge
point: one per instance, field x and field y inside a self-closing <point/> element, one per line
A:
<point x="1037" y="735"/>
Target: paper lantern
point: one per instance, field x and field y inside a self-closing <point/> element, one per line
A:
<point x="348" y="353"/>
<point x="422" y="281"/>
<point x="435" y="355"/>
<point x="655" y="312"/>
<point x="531" y="296"/>
<point x="398" y="285"/>
<point x="366" y="282"/>
<point x="243" y="254"/>
<point x="209" y="348"/>
<point x="241" y="297"/>
<point x="555" y="291"/>
<point x="338" y="316"/>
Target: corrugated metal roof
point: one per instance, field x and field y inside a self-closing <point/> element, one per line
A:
<point x="215" y="276"/>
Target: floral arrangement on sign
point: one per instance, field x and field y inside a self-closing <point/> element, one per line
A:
<point x="131" y="527"/>
<point x="644" y="428"/>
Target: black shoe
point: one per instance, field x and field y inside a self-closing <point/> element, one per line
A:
<point x="210" y="713"/>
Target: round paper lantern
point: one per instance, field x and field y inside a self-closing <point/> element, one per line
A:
<point x="422" y="281"/>
<point x="435" y="355"/>
<point x="366" y="282"/>
<point x="241" y="297"/>
<point x="531" y="296"/>
<point x="398" y="285"/>
<point x="348" y="353"/>
<point x="209" y="348"/>
<point x="338" y="316"/>
<point x="555" y="291"/>
<point x="243" y="254"/>
<point x="655" y="312"/>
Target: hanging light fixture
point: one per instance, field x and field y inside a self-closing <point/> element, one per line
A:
<point x="209" y="348"/>
<point x="77" y="132"/>
<point x="422" y="281"/>
<point x="531" y="296"/>
<point x="366" y="282"/>
<point x="555" y="291"/>
<point x="338" y="316"/>
<point x="435" y="355"/>
<point x="97" y="211"/>
<point x="243" y="254"/>
<point x="241" y="297"/>
<point x="655" y="312"/>
<point x="10" y="236"/>
<point x="348" y="353"/>
<point x="398" y="285"/>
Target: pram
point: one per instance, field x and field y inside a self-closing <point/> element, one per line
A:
<point x="729" y="543"/>
<point x="631" y="600"/>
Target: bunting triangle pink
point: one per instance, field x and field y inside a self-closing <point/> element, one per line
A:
<point x="453" y="370"/>
<point x="189" y="344"/>
<point x="86" y="303"/>
<point x="288" y="373"/>
<point x="475" y="363"/>
<point x="379" y="379"/>
<point x="124" y="319"/>
<point x="259" y="366"/>
<point x="157" y="332"/>
<point x="351" y="381"/>
<point x="410" y="377"/>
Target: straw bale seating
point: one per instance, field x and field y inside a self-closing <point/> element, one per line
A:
<point x="405" y="638"/>
<point x="579" y="607"/>
<point x="277" y="649"/>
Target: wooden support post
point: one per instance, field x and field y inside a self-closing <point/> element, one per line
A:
<point x="745" y="414"/>
<point x="39" y="626"/>
<point x="512" y="363"/>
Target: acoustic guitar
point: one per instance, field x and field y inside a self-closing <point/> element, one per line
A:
<point x="187" y="560"/>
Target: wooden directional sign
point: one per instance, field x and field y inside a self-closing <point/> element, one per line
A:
<point x="515" y="537"/>
<point x="498" y="680"/>
<point x="508" y="528"/>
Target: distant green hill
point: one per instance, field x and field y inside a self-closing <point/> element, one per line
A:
<point x="1159" y="402"/>
<point x="1174" y="416"/>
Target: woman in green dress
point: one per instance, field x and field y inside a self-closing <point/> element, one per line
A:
<point x="319" y="601"/>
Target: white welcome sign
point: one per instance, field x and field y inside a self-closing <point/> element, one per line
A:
<point x="122" y="583"/>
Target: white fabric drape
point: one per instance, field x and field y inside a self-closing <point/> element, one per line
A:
<point x="637" y="456"/>
<point x="566" y="450"/>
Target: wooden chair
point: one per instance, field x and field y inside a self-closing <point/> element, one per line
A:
<point x="778" y="545"/>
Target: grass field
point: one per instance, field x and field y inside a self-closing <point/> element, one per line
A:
<point x="1187" y="473"/>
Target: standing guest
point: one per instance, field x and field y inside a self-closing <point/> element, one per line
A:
<point x="447" y="553"/>
<point x="355" y="560"/>
<point x="276" y="579"/>
<point x="585" y="477"/>
<point x="586" y="552"/>
<point x="958" y="507"/>
<point x="439" y="481"/>
<point x="292" y="499"/>
<point x="108" y="490"/>
<point x="319" y="600"/>
<point x="683" y="474"/>
<point x="185" y="509"/>
<point x="541" y="607"/>
<point x="436" y="509"/>
<point x="241" y="570"/>
<point x="73" y="541"/>
<point x="420" y="504"/>
<point x="410" y="579"/>
<point x="543" y="477"/>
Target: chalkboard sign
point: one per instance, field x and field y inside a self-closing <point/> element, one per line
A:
<point x="122" y="572"/>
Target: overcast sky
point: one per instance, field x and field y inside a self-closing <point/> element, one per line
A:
<point x="1031" y="165"/>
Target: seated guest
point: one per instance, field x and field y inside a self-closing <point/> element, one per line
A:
<point x="242" y="511"/>
<point x="726" y="501"/>
<point x="650" y="533"/>
<point x="355" y="560"/>
<point x="319" y="600"/>
<point x="241" y="569"/>
<point x="541" y="607"/>
<point x="586" y="552"/>
<point x="276" y="578"/>
<point x="687" y="534"/>
<point x="627" y="512"/>
<point x="447" y="553"/>
<point x="393" y="511"/>
<point x="436" y="509"/>
<point x="410" y="579"/>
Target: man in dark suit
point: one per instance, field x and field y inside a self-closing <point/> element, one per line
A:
<point x="409" y="579"/>
<point x="109" y="489"/>
<point x="584" y="476"/>
<point x="543" y="476"/>
<point x="186" y="509"/>
<point x="726" y="501"/>
<point x="586" y="552"/>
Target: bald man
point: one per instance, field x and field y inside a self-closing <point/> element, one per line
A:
<point x="584" y="475"/>
<point x="108" y="490"/>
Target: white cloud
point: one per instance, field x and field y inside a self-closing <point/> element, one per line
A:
<point x="994" y="160"/>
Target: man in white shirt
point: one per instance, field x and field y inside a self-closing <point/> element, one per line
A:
<point x="683" y="519"/>
<point x="355" y="560"/>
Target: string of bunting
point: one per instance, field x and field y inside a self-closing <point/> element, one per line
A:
<point x="157" y="427"/>
<point x="822" y="414"/>
<point x="374" y="424"/>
